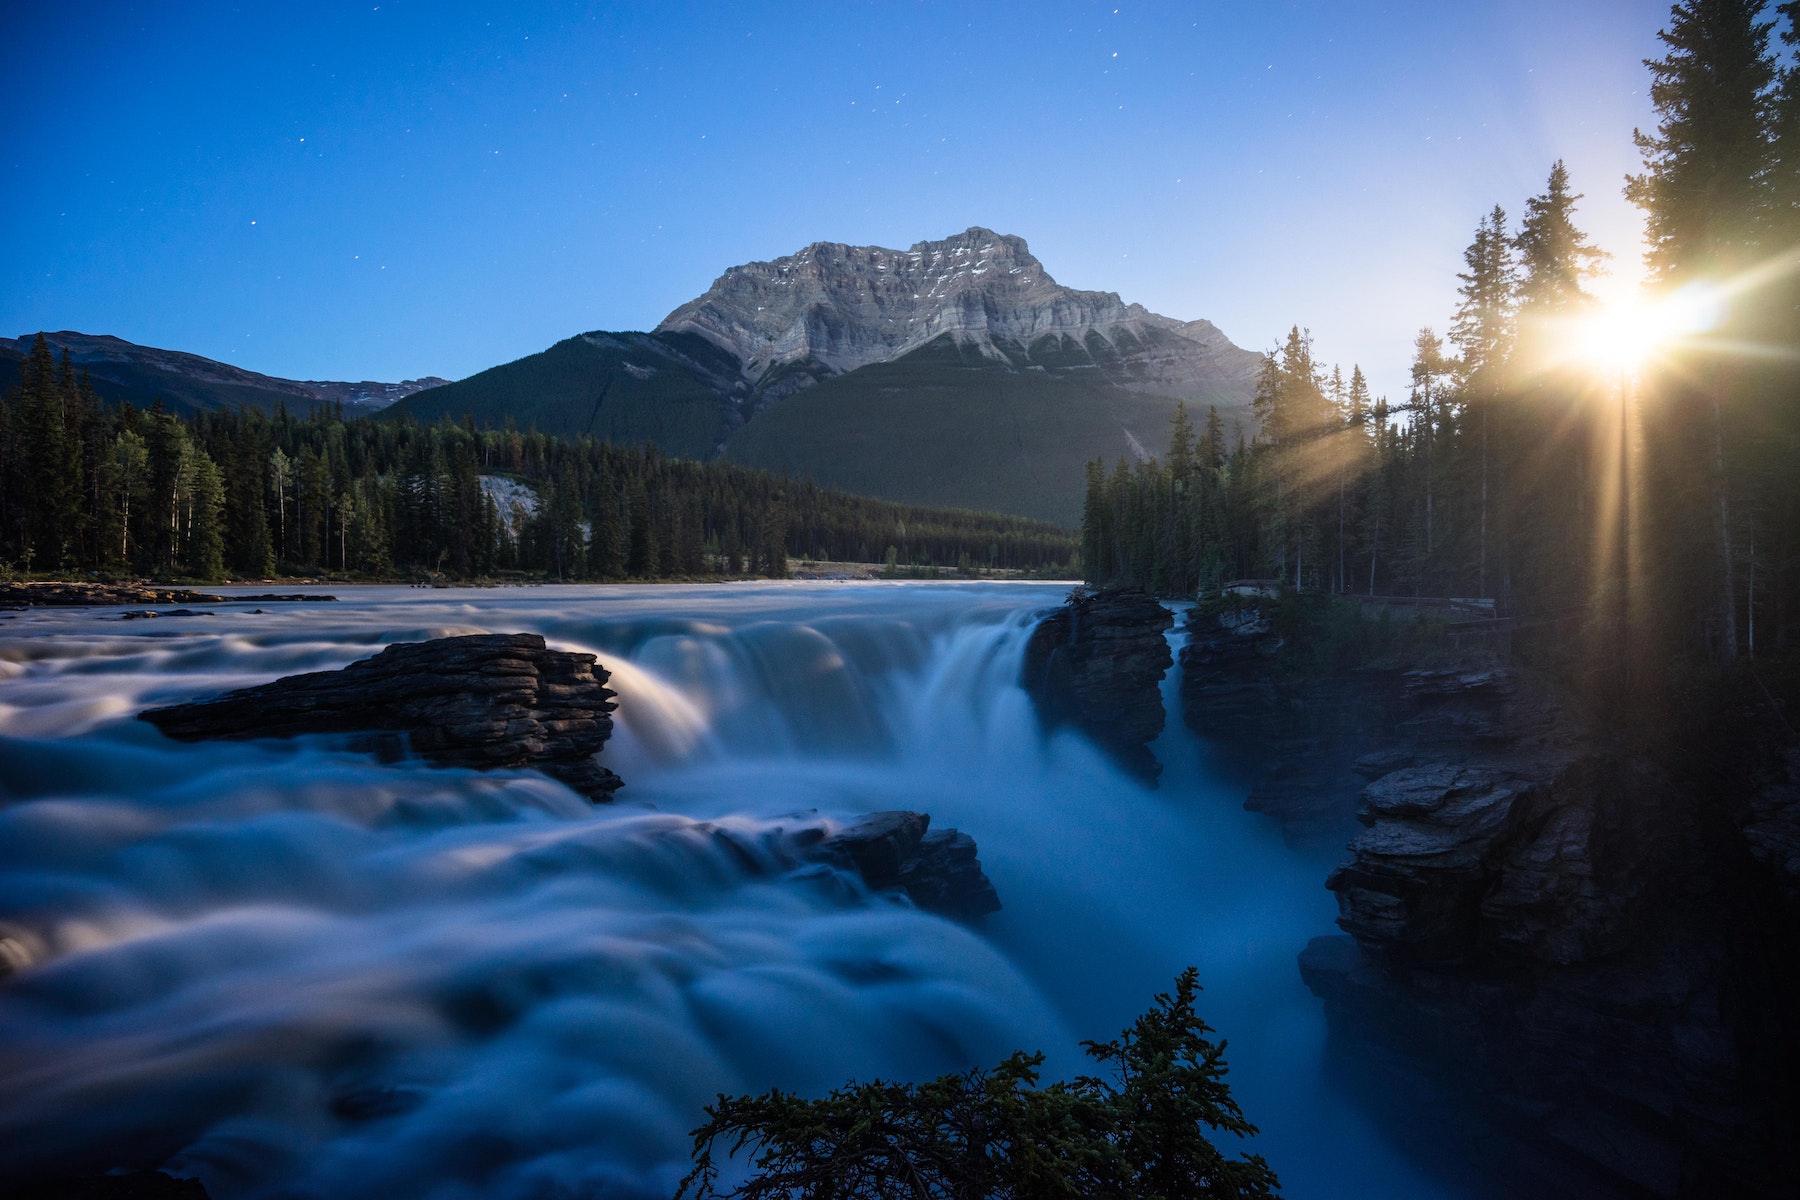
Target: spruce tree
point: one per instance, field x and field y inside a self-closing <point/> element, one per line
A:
<point x="1555" y="258"/>
<point x="1707" y="166"/>
<point x="1705" y="196"/>
<point x="1483" y="331"/>
<point x="205" y="551"/>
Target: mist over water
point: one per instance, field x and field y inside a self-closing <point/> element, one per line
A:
<point x="296" y="971"/>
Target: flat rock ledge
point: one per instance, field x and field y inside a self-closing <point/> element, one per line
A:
<point x="899" y="851"/>
<point x="487" y="701"/>
<point x="107" y="595"/>
<point x="1097" y="663"/>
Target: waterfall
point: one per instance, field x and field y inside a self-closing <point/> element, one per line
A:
<point x="293" y="970"/>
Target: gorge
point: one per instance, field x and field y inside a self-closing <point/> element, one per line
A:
<point x="317" y="964"/>
<point x="288" y="965"/>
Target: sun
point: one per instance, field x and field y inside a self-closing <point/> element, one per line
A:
<point x="1623" y="335"/>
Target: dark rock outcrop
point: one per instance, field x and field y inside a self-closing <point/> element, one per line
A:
<point x="1553" y="929"/>
<point x="1307" y="741"/>
<point x="1097" y="663"/>
<point x="895" y="851"/>
<point x="899" y="850"/>
<point x="1571" y="932"/>
<point x="485" y="701"/>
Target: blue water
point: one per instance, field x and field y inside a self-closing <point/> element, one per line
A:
<point x="291" y="970"/>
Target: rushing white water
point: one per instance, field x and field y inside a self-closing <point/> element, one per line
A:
<point x="292" y="970"/>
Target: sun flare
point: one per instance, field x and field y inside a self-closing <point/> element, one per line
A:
<point x="1630" y="331"/>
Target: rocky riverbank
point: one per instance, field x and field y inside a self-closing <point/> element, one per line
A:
<point x="108" y="595"/>
<point x="1585" y="940"/>
<point x="1097" y="664"/>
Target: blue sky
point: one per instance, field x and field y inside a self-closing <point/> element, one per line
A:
<point x="380" y="191"/>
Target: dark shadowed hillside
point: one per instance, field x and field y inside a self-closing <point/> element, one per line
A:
<point x="124" y="372"/>
<point x="673" y="389"/>
<point x="949" y="425"/>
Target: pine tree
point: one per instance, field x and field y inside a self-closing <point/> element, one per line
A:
<point x="1555" y="258"/>
<point x="1705" y="196"/>
<point x="205" y="551"/>
<point x="1483" y="331"/>
<point x="1430" y="368"/>
<point x="48" y="507"/>
<point x="1704" y="190"/>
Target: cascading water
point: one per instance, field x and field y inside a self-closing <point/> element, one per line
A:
<point x="293" y="970"/>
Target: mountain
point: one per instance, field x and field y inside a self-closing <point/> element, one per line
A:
<point x="832" y="309"/>
<point x="187" y="383"/>
<point x="956" y="372"/>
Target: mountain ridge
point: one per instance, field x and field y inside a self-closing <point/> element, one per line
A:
<point x="190" y="383"/>
<point x="845" y="307"/>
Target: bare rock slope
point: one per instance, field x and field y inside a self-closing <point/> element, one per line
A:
<point x="841" y="307"/>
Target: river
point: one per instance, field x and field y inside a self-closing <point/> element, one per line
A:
<point x="297" y="971"/>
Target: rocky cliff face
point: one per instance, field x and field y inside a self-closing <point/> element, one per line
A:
<point x="1307" y="743"/>
<point x="1561" y="929"/>
<point x="1097" y="663"/>
<point x="832" y="308"/>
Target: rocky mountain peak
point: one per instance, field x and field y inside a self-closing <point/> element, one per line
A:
<point x="843" y="307"/>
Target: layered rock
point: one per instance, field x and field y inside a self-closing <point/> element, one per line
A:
<point x="1574" y="934"/>
<point x="484" y="701"/>
<point x="1305" y="742"/>
<point x="1097" y="664"/>
<point x="1553" y="932"/>
<point x="831" y="308"/>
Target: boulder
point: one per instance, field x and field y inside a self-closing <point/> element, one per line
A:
<point x="485" y="701"/>
<point x="899" y="851"/>
<point x="1097" y="664"/>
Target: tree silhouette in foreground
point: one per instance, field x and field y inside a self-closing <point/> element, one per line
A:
<point x="1140" y="1131"/>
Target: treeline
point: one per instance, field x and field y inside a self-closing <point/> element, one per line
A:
<point x="86" y="487"/>
<point x="1628" y="471"/>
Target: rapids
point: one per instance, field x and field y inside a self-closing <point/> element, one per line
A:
<point x="294" y="971"/>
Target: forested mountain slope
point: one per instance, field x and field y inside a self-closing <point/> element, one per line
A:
<point x="956" y="372"/>
<point x="124" y="372"/>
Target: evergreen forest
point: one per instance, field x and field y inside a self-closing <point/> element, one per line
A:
<point x="88" y="488"/>
<point x="1625" y="470"/>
